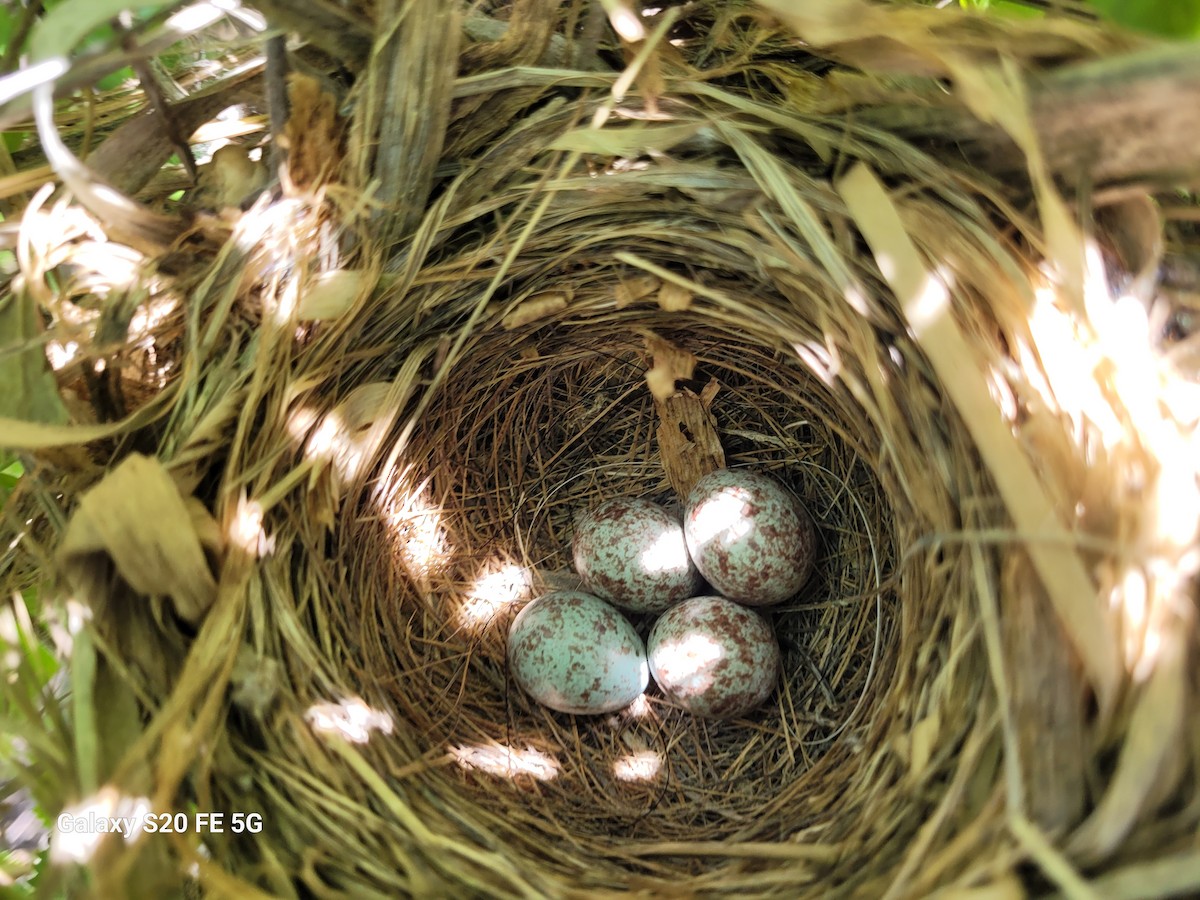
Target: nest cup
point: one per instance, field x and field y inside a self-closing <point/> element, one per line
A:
<point x="511" y="452"/>
<point x="289" y="571"/>
<point x="470" y="511"/>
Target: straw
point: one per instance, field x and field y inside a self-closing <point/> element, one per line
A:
<point x="294" y="505"/>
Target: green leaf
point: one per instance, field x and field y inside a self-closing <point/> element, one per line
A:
<point x="14" y="140"/>
<point x="1169" y="18"/>
<point x="115" y="79"/>
<point x="6" y="26"/>
<point x="1016" y="10"/>
<point x="62" y="28"/>
<point x="15" y="873"/>
<point x="7" y="484"/>
<point x="1013" y="9"/>
<point x="27" y="387"/>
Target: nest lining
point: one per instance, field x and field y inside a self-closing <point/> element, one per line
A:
<point x="509" y="459"/>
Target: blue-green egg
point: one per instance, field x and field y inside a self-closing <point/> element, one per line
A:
<point x="749" y="536"/>
<point x="714" y="657"/>
<point x="575" y="653"/>
<point x="632" y="553"/>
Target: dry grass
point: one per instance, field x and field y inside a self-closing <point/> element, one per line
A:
<point x="378" y="490"/>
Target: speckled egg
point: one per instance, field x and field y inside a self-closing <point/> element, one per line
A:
<point x="714" y="657"/>
<point x="577" y="654"/>
<point x="749" y="536"/>
<point x="632" y="553"/>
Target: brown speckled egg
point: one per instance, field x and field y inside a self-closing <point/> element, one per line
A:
<point x="749" y="536"/>
<point x="714" y="657"/>
<point x="576" y="654"/>
<point x="632" y="553"/>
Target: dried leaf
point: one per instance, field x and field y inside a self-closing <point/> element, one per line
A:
<point x="926" y="305"/>
<point x="539" y="306"/>
<point x="136" y="517"/>
<point x="256" y="681"/>
<point x="28" y="389"/>
<point x="904" y="38"/>
<point x="332" y="294"/>
<point x="1154" y="735"/>
<point x="630" y="289"/>
<point x="674" y="297"/>
<point x="314" y="133"/>
<point x="661" y="383"/>
<point x="688" y="443"/>
<point x="229" y="178"/>
<point x="350" y="435"/>
<point x="1133" y="229"/>
<point x="671" y="364"/>
<point x="997" y="94"/>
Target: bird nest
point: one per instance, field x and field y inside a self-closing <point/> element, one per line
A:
<point x="282" y="537"/>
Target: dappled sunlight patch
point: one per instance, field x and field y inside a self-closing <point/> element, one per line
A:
<point x="639" y="708"/>
<point x="1132" y="598"/>
<point x="1107" y="377"/>
<point x="931" y="303"/>
<point x="63" y="623"/>
<point x="149" y="318"/>
<point x="332" y="441"/>
<point x="10" y="638"/>
<point x="668" y="553"/>
<point x="642" y="766"/>
<point x="300" y="423"/>
<point x="349" y="436"/>
<point x="625" y="21"/>
<point x="506" y="761"/>
<point x="79" y="829"/>
<point x="198" y="16"/>
<point x="1070" y="385"/>
<point x="416" y="525"/>
<point x="62" y="233"/>
<point x="351" y="719"/>
<point x="246" y="529"/>
<point x="497" y="588"/>
<point x="61" y="354"/>
<point x="819" y="360"/>
<point x="722" y="518"/>
<point x="687" y="664"/>
<point x="103" y="268"/>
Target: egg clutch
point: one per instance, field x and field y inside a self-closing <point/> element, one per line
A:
<point x="710" y="651"/>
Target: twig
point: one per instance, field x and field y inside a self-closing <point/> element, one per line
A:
<point x="324" y="25"/>
<point x="277" y="97"/>
<point x="12" y="53"/>
<point x="154" y="94"/>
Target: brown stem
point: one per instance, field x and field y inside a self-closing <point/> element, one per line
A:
<point x="1121" y="118"/>
<point x="324" y="25"/>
